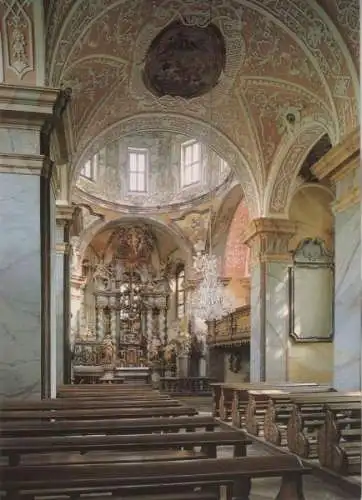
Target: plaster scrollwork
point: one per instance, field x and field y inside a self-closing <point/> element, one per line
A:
<point x="292" y="154"/>
<point x="18" y="36"/>
<point x="323" y="42"/>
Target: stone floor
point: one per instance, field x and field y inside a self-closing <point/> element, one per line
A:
<point x="266" y="489"/>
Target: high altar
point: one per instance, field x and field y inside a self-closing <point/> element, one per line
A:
<point x="124" y="310"/>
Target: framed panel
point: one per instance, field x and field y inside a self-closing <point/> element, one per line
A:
<point x="311" y="293"/>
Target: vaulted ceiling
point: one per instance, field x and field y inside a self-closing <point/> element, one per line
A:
<point x="290" y="77"/>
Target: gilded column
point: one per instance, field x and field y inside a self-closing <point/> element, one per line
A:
<point x="268" y="240"/>
<point x="341" y="166"/>
<point x="149" y="331"/>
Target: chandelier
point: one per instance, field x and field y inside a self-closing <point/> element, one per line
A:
<point x="210" y="301"/>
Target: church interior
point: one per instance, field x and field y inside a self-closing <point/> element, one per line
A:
<point x="180" y="251"/>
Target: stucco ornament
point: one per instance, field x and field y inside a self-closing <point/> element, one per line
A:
<point x="277" y="54"/>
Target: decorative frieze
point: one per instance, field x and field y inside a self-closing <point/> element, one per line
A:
<point x="268" y="239"/>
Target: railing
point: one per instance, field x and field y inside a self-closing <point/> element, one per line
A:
<point x="191" y="386"/>
<point x="233" y="329"/>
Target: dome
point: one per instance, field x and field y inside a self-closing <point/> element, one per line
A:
<point x="153" y="170"/>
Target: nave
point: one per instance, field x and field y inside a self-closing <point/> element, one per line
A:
<point x="133" y="442"/>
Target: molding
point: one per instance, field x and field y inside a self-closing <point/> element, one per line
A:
<point x="340" y="159"/>
<point x="31" y="101"/>
<point x="64" y="212"/>
<point x="22" y="164"/>
<point x="268" y="239"/>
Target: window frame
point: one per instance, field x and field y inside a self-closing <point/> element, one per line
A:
<point x="144" y="152"/>
<point x="187" y="178"/>
<point x="93" y="168"/>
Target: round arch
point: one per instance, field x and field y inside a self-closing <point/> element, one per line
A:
<point x="86" y="237"/>
<point x="180" y="124"/>
<point x="286" y="165"/>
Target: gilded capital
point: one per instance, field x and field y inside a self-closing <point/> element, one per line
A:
<point x="268" y="239"/>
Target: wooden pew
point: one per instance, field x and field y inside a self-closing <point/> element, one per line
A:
<point x="154" y="478"/>
<point x="259" y="399"/>
<point x="339" y="438"/>
<point x="87" y="403"/>
<point x="308" y="416"/>
<point x="109" y="426"/>
<point x="96" y="413"/>
<point x="230" y="399"/>
<point x="17" y="448"/>
<point x="278" y="411"/>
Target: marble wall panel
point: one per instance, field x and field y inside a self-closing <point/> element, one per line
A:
<point x="256" y="348"/>
<point x="276" y="321"/>
<point x="19" y="141"/>
<point x="347" y="313"/>
<point x="20" y="289"/>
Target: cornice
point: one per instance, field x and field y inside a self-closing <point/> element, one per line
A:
<point x="340" y="159"/>
<point x="27" y="100"/>
<point x="269" y="225"/>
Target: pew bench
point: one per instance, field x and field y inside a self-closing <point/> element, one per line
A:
<point x="109" y="426"/>
<point x="339" y="438"/>
<point x="277" y="413"/>
<point x="307" y="417"/>
<point x="87" y="403"/>
<point x="95" y="413"/>
<point x="230" y="400"/>
<point x="259" y="401"/>
<point x="154" y="477"/>
<point x="18" y="448"/>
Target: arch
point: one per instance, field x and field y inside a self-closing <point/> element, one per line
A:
<point x="286" y="165"/>
<point x="99" y="226"/>
<point x="180" y="124"/>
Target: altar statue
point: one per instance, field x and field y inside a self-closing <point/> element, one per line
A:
<point x="108" y="350"/>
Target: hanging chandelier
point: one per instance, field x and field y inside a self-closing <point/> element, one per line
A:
<point x="210" y="301"/>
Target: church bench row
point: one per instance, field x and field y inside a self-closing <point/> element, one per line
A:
<point x="87" y="403"/>
<point x="307" y="417"/>
<point x="14" y="448"/>
<point x="339" y="438"/>
<point x="258" y="402"/>
<point x="109" y="426"/>
<point x="154" y="477"/>
<point x="229" y="399"/>
<point x="102" y="413"/>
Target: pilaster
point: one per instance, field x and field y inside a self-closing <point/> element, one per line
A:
<point x="64" y="216"/>
<point x="27" y="182"/>
<point x="268" y="240"/>
<point x="341" y="166"/>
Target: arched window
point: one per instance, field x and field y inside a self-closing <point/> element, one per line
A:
<point x="180" y="292"/>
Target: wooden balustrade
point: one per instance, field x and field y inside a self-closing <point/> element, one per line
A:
<point x="232" y="329"/>
<point x="186" y="386"/>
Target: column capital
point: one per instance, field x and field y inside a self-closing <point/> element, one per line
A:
<point x="268" y="239"/>
<point x="64" y="212"/>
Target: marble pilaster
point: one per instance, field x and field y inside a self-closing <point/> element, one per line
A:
<point x="268" y="240"/>
<point x="62" y="286"/>
<point x="25" y="248"/>
<point x="341" y="166"/>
